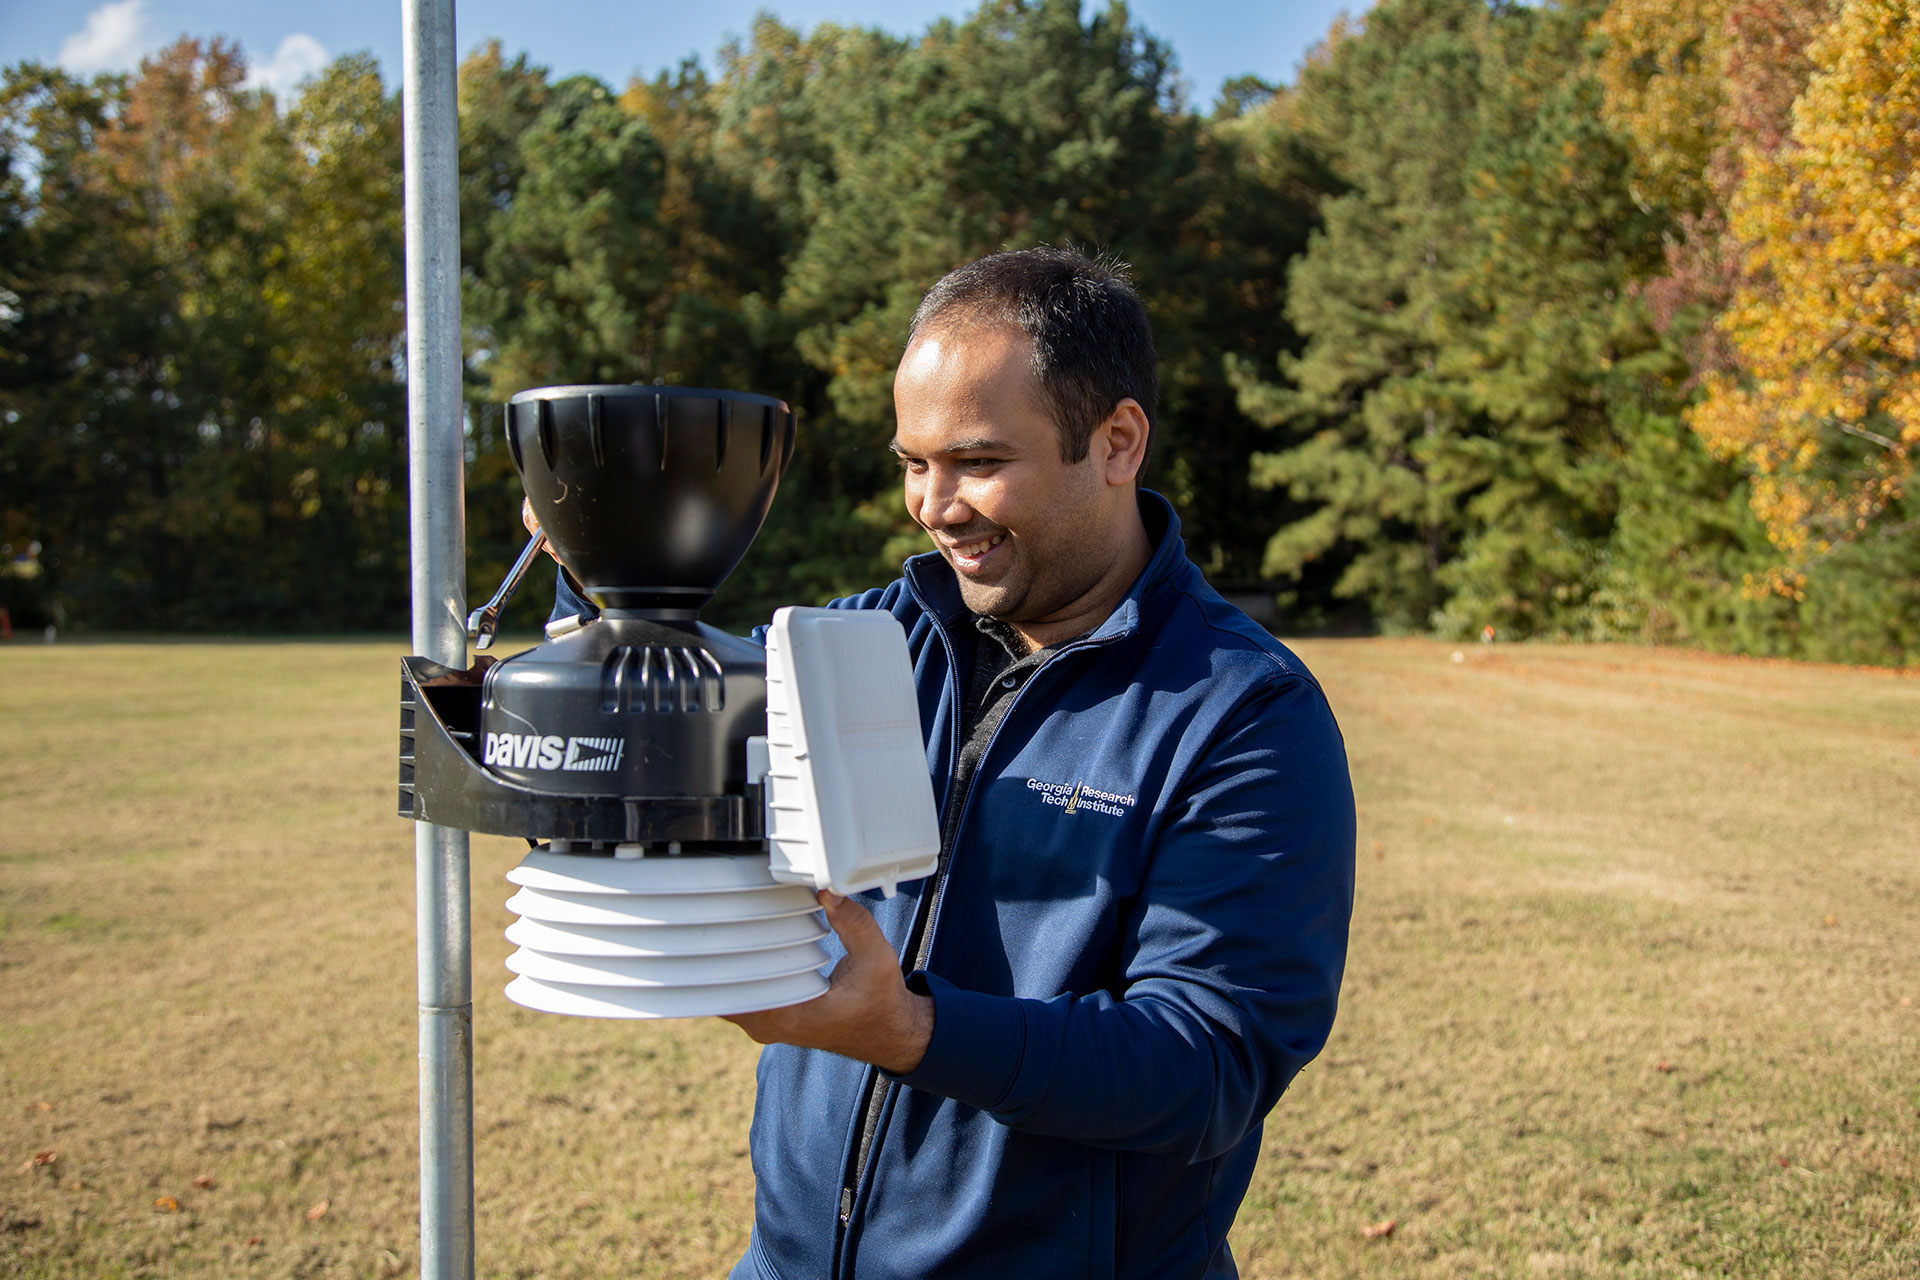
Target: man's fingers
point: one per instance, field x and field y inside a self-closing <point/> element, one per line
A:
<point x="867" y="1013"/>
<point x="855" y="926"/>
<point x="532" y="522"/>
<point x="769" y="1025"/>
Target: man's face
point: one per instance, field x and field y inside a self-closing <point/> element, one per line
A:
<point x="1026" y="533"/>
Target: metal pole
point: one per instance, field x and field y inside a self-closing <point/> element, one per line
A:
<point x="436" y="495"/>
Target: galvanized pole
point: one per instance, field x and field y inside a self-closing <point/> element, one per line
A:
<point x="436" y="494"/>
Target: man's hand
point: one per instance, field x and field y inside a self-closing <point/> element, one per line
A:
<point x="867" y="1012"/>
<point x="532" y="522"/>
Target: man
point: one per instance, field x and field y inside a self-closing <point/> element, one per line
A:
<point x="1053" y="1057"/>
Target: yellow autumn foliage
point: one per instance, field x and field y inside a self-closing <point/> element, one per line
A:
<point x="1825" y="403"/>
<point x="1662" y="66"/>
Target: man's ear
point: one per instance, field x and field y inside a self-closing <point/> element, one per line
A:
<point x="1125" y="432"/>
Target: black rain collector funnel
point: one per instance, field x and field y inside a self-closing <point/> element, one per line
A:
<point x="649" y="495"/>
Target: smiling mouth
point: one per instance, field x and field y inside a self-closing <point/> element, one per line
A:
<point x="974" y="550"/>
<point x="970" y="557"/>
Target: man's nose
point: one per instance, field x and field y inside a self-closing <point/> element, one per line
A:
<point x="935" y="501"/>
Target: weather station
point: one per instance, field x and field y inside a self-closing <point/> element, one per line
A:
<point x="684" y="791"/>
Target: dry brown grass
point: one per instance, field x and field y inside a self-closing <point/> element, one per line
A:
<point x="1633" y="989"/>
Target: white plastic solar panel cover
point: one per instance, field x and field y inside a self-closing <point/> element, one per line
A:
<point x="849" y="802"/>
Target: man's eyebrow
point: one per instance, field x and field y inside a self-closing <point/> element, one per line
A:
<point x="969" y="444"/>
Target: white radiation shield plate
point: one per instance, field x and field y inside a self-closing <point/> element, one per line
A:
<point x="849" y="800"/>
<point x="700" y="873"/>
<point x="667" y="971"/>
<point x="663" y="1002"/>
<point x="660" y="908"/>
<point x="665" y="940"/>
<point x="675" y="936"/>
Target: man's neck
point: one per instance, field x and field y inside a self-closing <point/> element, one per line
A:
<point x="1098" y="601"/>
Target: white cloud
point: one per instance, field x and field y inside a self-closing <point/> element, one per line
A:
<point x="298" y="57"/>
<point x="114" y="39"/>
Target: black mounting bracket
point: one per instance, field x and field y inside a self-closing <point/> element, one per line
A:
<point x="443" y="782"/>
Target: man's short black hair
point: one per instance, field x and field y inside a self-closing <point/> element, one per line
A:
<point x="1092" y="344"/>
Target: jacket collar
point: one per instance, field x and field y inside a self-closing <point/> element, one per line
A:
<point x="932" y="580"/>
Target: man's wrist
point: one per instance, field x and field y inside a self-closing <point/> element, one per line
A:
<point x="914" y="1035"/>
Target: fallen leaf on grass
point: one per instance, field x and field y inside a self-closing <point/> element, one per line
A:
<point x="1379" y="1230"/>
<point x="1783" y="1162"/>
<point x="1831" y="920"/>
<point x="253" y="1242"/>
<point x="1664" y="1067"/>
<point x="205" y="1182"/>
<point x="167" y="1204"/>
<point x="319" y="1211"/>
<point x="39" y="1160"/>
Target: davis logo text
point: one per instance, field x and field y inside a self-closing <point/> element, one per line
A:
<point x="550" y="751"/>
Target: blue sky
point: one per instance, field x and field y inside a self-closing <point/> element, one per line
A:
<point x="286" y="41"/>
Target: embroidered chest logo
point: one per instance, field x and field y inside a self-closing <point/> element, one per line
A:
<point x="1078" y="797"/>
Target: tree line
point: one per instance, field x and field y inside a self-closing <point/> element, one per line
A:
<point x="1577" y="319"/>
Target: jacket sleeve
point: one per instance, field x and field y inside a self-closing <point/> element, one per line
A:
<point x="873" y="598"/>
<point x="1233" y="953"/>
<point x="567" y="600"/>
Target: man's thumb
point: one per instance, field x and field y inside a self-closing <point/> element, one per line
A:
<point x="853" y="923"/>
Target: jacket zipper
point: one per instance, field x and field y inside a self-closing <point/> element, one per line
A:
<point x="873" y="1100"/>
<point x="919" y="943"/>
<point x="920" y="937"/>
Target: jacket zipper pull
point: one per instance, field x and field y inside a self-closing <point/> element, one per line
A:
<point x="846" y="1204"/>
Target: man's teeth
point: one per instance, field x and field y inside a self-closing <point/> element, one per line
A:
<point x="980" y="548"/>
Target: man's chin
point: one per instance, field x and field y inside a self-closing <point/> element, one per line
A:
<point x="990" y="601"/>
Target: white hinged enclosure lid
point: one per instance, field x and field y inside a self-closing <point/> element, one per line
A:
<point x="849" y="801"/>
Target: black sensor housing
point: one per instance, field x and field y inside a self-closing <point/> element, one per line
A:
<point x="634" y="726"/>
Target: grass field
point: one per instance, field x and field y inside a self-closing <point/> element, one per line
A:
<point x="1633" y="990"/>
